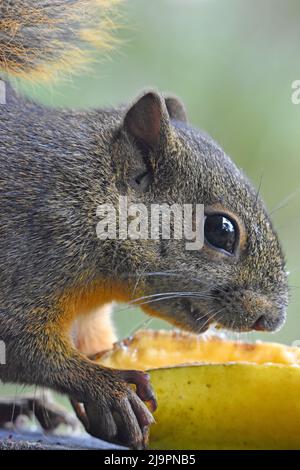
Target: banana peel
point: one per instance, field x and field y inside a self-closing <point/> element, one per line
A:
<point x="216" y="394"/>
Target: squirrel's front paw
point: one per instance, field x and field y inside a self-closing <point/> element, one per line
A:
<point x="120" y="415"/>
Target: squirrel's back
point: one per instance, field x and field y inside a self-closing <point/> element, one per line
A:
<point x="39" y="39"/>
<point x="42" y="150"/>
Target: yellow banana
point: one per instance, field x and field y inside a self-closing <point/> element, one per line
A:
<point x="236" y="396"/>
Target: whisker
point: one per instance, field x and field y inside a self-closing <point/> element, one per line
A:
<point x="14" y="409"/>
<point x="183" y="293"/>
<point x="284" y="202"/>
<point x="169" y="298"/>
<point x="182" y="275"/>
<point x="259" y="188"/>
<point x="142" y="325"/>
<point x="164" y="296"/>
<point x="209" y="315"/>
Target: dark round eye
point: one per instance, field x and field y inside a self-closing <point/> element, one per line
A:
<point x="220" y="232"/>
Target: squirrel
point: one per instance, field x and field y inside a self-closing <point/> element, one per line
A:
<point x="56" y="167"/>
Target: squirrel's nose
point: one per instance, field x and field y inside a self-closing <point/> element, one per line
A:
<point x="260" y="324"/>
<point x="269" y="322"/>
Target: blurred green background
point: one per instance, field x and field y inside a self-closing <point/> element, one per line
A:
<point x="233" y="63"/>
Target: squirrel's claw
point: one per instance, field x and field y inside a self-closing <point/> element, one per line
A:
<point x="143" y="387"/>
<point x="124" y="419"/>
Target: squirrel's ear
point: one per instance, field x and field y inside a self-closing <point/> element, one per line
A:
<point x="176" y="109"/>
<point x="147" y="119"/>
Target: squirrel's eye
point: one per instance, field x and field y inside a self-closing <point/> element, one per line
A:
<point x="220" y="232"/>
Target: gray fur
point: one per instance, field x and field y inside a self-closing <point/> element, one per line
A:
<point x="56" y="167"/>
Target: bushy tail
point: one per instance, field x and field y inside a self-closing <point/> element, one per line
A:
<point x="41" y="38"/>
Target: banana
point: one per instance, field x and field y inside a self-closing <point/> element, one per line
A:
<point x="216" y="394"/>
<point x="227" y="406"/>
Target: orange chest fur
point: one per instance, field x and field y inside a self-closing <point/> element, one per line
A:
<point x="82" y="301"/>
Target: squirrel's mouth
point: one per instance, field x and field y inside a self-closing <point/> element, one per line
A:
<point x="203" y="320"/>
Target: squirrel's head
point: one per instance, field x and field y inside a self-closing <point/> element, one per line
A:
<point x="237" y="279"/>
